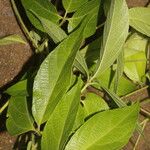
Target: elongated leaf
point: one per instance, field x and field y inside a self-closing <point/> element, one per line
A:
<point x="57" y="34"/>
<point x="93" y="104"/>
<point x="115" y="33"/>
<point x="72" y="5"/>
<point x="19" y="120"/>
<point x="43" y="8"/>
<point x="11" y="39"/>
<point x="135" y="57"/>
<point x="89" y="9"/>
<point x="60" y="123"/>
<point x="52" y="29"/>
<point x="119" y="70"/>
<point x="140" y="19"/>
<point x="53" y="77"/>
<point x="104" y="130"/>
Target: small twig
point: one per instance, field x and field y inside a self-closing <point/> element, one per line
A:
<point x="99" y="26"/>
<point x="63" y="19"/>
<point x="144" y="125"/>
<point x="4" y="107"/>
<point x="145" y="113"/>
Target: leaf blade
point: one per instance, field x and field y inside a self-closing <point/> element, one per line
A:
<point x="58" y="127"/>
<point x="115" y="33"/>
<point x="106" y="131"/>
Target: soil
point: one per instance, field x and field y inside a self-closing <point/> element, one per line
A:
<point x="14" y="57"/>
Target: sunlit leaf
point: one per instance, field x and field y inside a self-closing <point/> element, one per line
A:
<point x="11" y="39"/>
<point x="93" y="104"/>
<point x="135" y="57"/>
<point x="89" y="9"/>
<point x="140" y="19"/>
<point x="53" y="77"/>
<point x="104" y="130"/>
<point x="60" y="123"/>
<point x="115" y="33"/>
<point x="72" y="5"/>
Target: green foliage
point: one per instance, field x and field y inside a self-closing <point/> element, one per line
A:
<point x="43" y="8"/>
<point x="19" y="120"/>
<point x="81" y="58"/>
<point x="71" y="5"/>
<point x="11" y="39"/>
<point x="140" y="19"/>
<point x="58" y="127"/>
<point x="53" y="77"/>
<point x="115" y="33"/>
<point x="104" y="130"/>
<point x="90" y="9"/>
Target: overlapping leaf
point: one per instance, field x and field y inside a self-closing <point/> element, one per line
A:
<point x="135" y="57"/>
<point x="19" y="120"/>
<point x="89" y="9"/>
<point x="104" y="130"/>
<point x="72" y="5"/>
<point x="140" y="19"/>
<point x="93" y="104"/>
<point x="43" y="8"/>
<point x="53" y="77"/>
<point x="115" y="33"/>
<point x="60" y="123"/>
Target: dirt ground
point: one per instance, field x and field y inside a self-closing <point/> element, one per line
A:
<point x="14" y="57"/>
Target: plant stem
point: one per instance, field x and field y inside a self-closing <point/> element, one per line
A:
<point x="4" y="107"/>
<point x="63" y="19"/>
<point x="145" y="113"/>
<point x="99" y="26"/>
<point x="25" y="30"/>
<point x="144" y="125"/>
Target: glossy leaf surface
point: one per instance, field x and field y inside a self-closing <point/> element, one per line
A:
<point x="104" y="130"/>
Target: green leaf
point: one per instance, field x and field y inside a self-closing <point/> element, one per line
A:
<point x="93" y="104"/>
<point x="106" y="130"/>
<point x="11" y="39"/>
<point x="90" y="9"/>
<point x="81" y="65"/>
<point x="52" y="29"/>
<point x="107" y="79"/>
<point x="19" y="120"/>
<point x="53" y="77"/>
<point x="60" y="123"/>
<point x="115" y="33"/>
<point x="119" y="70"/>
<point x="72" y="5"/>
<point x="79" y="118"/>
<point x="140" y="19"/>
<point x="43" y="8"/>
<point x="135" y="57"/>
<point x="18" y="89"/>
